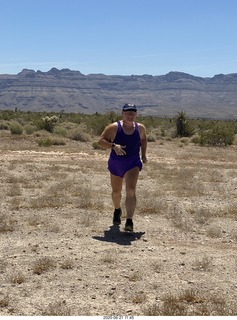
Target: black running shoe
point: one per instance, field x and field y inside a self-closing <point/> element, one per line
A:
<point x="117" y="216"/>
<point x="129" y="225"/>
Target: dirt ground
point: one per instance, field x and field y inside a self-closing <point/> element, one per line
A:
<point x="60" y="254"/>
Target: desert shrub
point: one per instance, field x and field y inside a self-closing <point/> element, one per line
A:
<point x="94" y="124"/>
<point x="60" y="131"/>
<point x="151" y="137"/>
<point x="79" y="135"/>
<point x="49" y="123"/>
<point x="196" y="139"/>
<point x="183" y="126"/>
<point x="162" y="130"/>
<point x="150" y="122"/>
<point x="219" y="135"/>
<point x="4" y="125"/>
<point x="29" y="129"/>
<point x="58" y="141"/>
<point x="47" y="142"/>
<point x="97" y="122"/>
<point x="7" y="115"/>
<point x="16" y="128"/>
<point x="44" y="142"/>
<point x="95" y="145"/>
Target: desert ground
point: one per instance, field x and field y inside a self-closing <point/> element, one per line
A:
<point x="60" y="254"/>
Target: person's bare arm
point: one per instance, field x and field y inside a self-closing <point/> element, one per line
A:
<point x="143" y="137"/>
<point x="107" y="136"/>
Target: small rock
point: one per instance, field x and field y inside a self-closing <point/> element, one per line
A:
<point x="129" y="311"/>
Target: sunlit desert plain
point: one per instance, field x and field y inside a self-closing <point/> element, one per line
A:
<point x="60" y="254"/>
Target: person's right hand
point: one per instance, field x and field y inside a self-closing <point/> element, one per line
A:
<point x="119" y="150"/>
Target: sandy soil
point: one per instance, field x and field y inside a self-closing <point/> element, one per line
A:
<point x="60" y="254"/>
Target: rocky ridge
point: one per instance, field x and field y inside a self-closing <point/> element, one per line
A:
<point x="164" y="95"/>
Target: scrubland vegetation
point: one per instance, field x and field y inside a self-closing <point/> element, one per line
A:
<point x="81" y="127"/>
<point x="60" y="256"/>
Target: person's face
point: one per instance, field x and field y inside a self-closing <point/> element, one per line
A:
<point x="129" y="115"/>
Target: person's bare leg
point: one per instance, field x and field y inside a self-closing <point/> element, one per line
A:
<point x="131" y="178"/>
<point x="116" y="184"/>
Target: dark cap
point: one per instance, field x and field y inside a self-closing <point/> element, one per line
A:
<point x="129" y="107"/>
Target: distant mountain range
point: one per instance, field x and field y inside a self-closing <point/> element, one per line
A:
<point x="165" y="95"/>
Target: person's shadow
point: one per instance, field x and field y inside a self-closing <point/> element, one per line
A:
<point x="114" y="234"/>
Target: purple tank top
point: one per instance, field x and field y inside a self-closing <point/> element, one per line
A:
<point x="131" y="141"/>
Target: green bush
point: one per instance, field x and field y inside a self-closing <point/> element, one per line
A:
<point x="47" y="142"/>
<point x="49" y="123"/>
<point x="85" y="127"/>
<point x="29" y="129"/>
<point x="44" y="142"/>
<point x="16" y="128"/>
<point x="58" y="141"/>
<point x="196" y="140"/>
<point x="95" y="145"/>
<point x="183" y="126"/>
<point x="162" y="132"/>
<point x="97" y="122"/>
<point x="79" y="135"/>
<point x="4" y="125"/>
<point x="60" y="131"/>
<point x="219" y="135"/>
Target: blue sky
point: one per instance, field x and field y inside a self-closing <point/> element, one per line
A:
<point x="119" y="37"/>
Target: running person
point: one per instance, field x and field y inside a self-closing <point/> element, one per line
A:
<point x="125" y="138"/>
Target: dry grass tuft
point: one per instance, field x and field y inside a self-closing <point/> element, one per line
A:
<point x="191" y="303"/>
<point x="58" y="308"/>
<point x="67" y="264"/>
<point x="78" y="192"/>
<point x="7" y="224"/>
<point x="34" y="220"/>
<point x="139" y="298"/>
<point x="149" y="203"/>
<point x="14" y="191"/>
<point x="214" y="232"/>
<point x="203" y="264"/>
<point x="202" y="216"/>
<point x="3" y="265"/>
<point x="158" y="266"/>
<point x="109" y="257"/>
<point x="17" y="277"/>
<point x="181" y="219"/>
<point x="43" y="265"/>
<point x="4" y="301"/>
<point x="230" y="211"/>
<point x="135" y="276"/>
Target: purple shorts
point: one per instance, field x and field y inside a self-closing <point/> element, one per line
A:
<point x="119" y="167"/>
